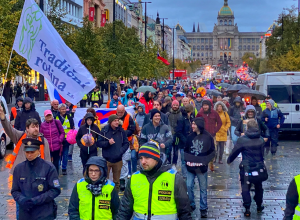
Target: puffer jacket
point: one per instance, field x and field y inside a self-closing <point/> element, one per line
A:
<point x="126" y="98"/>
<point x="54" y="132"/>
<point x="235" y="112"/>
<point x="221" y="135"/>
<point x="148" y="105"/>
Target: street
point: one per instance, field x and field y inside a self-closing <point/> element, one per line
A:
<point x="224" y="193"/>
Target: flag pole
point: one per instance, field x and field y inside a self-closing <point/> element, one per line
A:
<point x="7" y="71"/>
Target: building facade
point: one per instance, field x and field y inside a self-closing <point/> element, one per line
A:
<point x="99" y="10"/>
<point x="225" y="44"/>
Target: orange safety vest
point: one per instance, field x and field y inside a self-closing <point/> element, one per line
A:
<point x="12" y="157"/>
<point x="108" y="103"/>
<point x="14" y="112"/>
<point x="126" y="124"/>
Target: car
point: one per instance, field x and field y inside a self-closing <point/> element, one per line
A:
<point x="40" y="107"/>
<point x="5" y="140"/>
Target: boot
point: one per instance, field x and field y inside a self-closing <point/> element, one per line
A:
<point x="260" y="208"/>
<point x="122" y="185"/>
<point x="203" y="213"/>
<point x="211" y="166"/>
<point x="247" y="213"/>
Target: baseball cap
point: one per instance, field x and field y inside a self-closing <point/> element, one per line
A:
<point x="47" y="112"/>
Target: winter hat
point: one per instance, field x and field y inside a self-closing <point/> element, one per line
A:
<point x="153" y="112"/>
<point x="96" y="105"/>
<point x="150" y="150"/>
<point x="199" y="121"/>
<point x="89" y="115"/>
<point x="27" y="100"/>
<point x="112" y="118"/>
<point x="271" y="101"/>
<point x="225" y="99"/>
<point x="189" y="108"/>
<point x="167" y="99"/>
<point x="175" y="102"/>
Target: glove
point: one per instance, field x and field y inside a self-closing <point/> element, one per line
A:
<point x="28" y="205"/>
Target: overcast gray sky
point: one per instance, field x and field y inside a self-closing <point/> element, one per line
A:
<point x="250" y="15"/>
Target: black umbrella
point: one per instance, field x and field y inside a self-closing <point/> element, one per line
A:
<point x="224" y="85"/>
<point x="249" y="92"/>
<point x="213" y="92"/>
<point x="236" y="88"/>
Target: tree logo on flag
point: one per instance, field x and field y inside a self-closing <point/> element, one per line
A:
<point x="32" y="25"/>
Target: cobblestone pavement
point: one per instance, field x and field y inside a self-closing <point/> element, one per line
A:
<point x="224" y="193"/>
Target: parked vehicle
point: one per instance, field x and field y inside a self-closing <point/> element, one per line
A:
<point x="5" y="140"/>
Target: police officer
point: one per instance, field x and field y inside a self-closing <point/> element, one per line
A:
<point x="156" y="192"/>
<point x="83" y="101"/>
<point x="97" y="97"/>
<point x="35" y="185"/>
<point x="94" y="196"/>
<point x="292" y="210"/>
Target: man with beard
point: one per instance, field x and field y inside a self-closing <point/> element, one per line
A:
<point x="198" y="102"/>
<point x="213" y="122"/>
<point x="157" y="105"/>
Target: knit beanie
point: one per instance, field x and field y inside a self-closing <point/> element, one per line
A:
<point x="150" y="150"/>
<point x="271" y="101"/>
<point x="112" y="118"/>
<point x="153" y="112"/>
<point x="175" y="102"/>
<point x="199" y="121"/>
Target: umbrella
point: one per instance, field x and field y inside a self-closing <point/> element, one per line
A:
<point x="250" y="92"/>
<point x="236" y="87"/>
<point x="213" y="92"/>
<point x="144" y="89"/>
<point x="224" y="85"/>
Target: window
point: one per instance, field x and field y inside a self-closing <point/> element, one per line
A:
<point x="230" y="22"/>
<point x="240" y="54"/>
<point x="240" y="47"/>
<point x="225" y="22"/>
<point x="280" y="93"/>
<point x="257" y="40"/>
<point x="193" y="54"/>
<point x="248" y="48"/>
<point x="210" y="40"/>
<point x="210" y="54"/>
<point x="194" y="47"/>
<point x="240" y="40"/>
<point x="206" y="47"/>
<point x="194" y="40"/>
<point x="4" y="110"/>
<point x="206" y="40"/>
<point x="244" y="40"/>
<point x="198" y="40"/>
<point x="221" y="22"/>
<point x="198" y="47"/>
<point x="202" y="54"/>
<point x="244" y="47"/>
<point x="249" y="40"/>
<point x="253" y="40"/>
<point x="202" y="47"/>
<point x="221" y="54"/>
<point x="202" y="40"/>
<point x="253" y="47"/>
<point x="206" y="54"/>
<point x="296" y="94"/>
<point x="257" y="47"/>
<point x="198" y="54"/>
<point x="211" y="47"/>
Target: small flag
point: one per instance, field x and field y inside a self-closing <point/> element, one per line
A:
<point x="162" y="59"/>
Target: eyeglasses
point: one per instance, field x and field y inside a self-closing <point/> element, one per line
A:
<point x="94" y="171"/>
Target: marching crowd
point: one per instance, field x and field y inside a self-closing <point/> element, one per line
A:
<point x="142" y="151"/>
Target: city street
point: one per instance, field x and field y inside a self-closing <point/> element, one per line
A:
<point x="224" y="194"/>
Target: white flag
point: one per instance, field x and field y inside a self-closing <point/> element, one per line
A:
<point x="46" y="52"/>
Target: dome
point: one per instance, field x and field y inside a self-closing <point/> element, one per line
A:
<point x="225" y="10"/>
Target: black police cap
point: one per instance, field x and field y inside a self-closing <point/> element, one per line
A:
<point x="31" y="144"/>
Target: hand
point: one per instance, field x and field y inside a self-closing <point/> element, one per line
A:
<point x="2" y="115"/>
<point x="111" y="141"/>
<point x="28" y="205"/>
<point x="73" y="110"/>
<point x="162" y="145"/>
<point x="266" y="119"/>
<point x="278" y="126"/>
<point x="265" y="139"/>
<point x="242" y="134"/>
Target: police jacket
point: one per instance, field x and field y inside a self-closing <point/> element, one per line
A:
<point x="36" y="180"/>
<point x="180" y="195"/>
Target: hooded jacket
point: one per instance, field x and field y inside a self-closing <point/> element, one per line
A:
<point x="264" y="131"/>
<point x="274" y="116"/>
<point x="113" y="153"/>
<point x="235" y="111"/>
<point x="24" y="115"/>
<point x="74" y="200"/>
<point x="126" y="99"/>
<point x="184" y="128"/>
<point x="199" y="149"/>
<point x="221" y="135"/>
<point x="212" y="119"/>
<point x="16" y="107"/>
<point x="54" y="132"/>
<point x="140" y="116"/>
<point x="162" y="134"/>
<point x="85" y="129"/>
<point x="147" y="103"/>
<point x="180" y="195"/>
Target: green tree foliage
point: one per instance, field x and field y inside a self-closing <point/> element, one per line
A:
<point x="189" y="65"/>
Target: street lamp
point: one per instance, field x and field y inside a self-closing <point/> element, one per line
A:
<point x="164" y="33"/>
<point x="146" y="21"/>
<point x="41" y="77"/>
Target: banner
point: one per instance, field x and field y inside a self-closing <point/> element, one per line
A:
<point x="102" y="113"/>
<point x="46" y="52"/>
<point x="53" y="93"/>
<point x="103" y="20"/>
<point x="91" y="13"/>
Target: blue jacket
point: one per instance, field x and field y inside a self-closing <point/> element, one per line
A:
<point x="274" y="116"/>
<point x="113" y="103"/>
<point x="126" y="99"/>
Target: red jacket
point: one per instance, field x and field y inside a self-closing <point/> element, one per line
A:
<point x="212" y="120"/>
<point x="148" y="106"/>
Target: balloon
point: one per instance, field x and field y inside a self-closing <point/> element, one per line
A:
<point x="71" y="136"/>
<point x="130" y="103"/>
<point x="87" y="140"/>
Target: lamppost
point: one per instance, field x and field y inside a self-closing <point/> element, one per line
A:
<point x="164" y="33"/>
<point x="41" y="77"/>
<point x="173" y="54"/>
<point x="146" y="22"/>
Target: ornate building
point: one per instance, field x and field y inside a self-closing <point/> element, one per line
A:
<point x="225" y="43"/>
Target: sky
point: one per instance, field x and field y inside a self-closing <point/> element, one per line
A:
<point x="250" y="15"/>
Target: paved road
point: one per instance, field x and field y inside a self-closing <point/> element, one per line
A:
<point x="224" y="194"/>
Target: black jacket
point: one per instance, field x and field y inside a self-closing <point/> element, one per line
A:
<point x="199" y="149"/>
<point x="84" y="129"/>
<point x="24" y="115"/>
<point x="163" y="116"/>
<point x="113" y="153"/>
<point x="292" y="198"/>
<point x="36" y="180"/>
<point x="167" y="108"/>
<point x="184" y="128"/>
<point x="131" y="127"/>
<point x="180" y="194"/>
<point x="234" y="112"/>
<point x="251" y="145"/>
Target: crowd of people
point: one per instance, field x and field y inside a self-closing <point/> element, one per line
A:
<point x="141" y="150"/>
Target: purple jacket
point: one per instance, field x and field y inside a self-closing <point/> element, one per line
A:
<point x="54" y="133"/>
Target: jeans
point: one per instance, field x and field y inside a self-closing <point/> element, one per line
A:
<point x="258" y="198"/>
<point x="134" y="159"/>
<point x="55" y="158"/>
<point x="85" y="157"/>
<point x="71" y="148"/>
<point x="183" y="164"/>
<point x="64" y="156"/>
<point x="220" y="150"/>
<point x="202" y="178"/>
<point x="233" y="136"/>
<point x="273" y="140"/>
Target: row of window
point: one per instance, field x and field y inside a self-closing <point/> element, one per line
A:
<point x="202" y="40"/>
<point x="249" y="48"/>
<point x="120" y="13"/>
<point x="202" y="54"/>
<point x="210" y="47"/>
<point x="225" y="22"/>
<point x="71" y="9"/>
<point x="249" y="40"/>
<point x="221" y="54"/>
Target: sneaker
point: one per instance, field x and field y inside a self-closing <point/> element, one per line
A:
<point x="128" y="177"/>
<point x="64" y="172"/>
<point x="70" y="158"/>
<point x="203" y="213"/>
<point x="260" y="208"/>
<point x="247" y="213"/>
